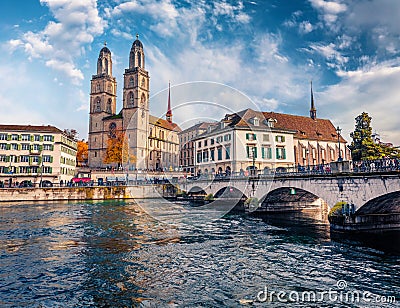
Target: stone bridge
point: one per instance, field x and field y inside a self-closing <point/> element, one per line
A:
<point x="367" y="191"/>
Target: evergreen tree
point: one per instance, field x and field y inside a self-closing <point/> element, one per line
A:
<point x="363" y="146"/>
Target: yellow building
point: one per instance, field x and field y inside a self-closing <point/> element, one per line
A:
<point x="33" y="154"/>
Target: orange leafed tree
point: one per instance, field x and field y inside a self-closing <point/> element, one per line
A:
<point x="118" y="151"/>
<point x="82" y="153"/>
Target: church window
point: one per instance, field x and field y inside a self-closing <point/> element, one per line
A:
<point x="143" y="101"/>
<point x="97" y="87"/>
<point x="106" y="66"/>
<point x="98" y="105"/>
<point x="109" y="106"/>
<point x="113" y="130"/>
<point x="109" y="88"/>
<point x="131" y="82"/>
<point x="143" y="83"/>
<point x="139" y="57"/>
<point x="131" y="99"/>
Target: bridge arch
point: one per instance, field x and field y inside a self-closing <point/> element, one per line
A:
<point x="290" y="198"/>
<point x="384" y="204"/>
<point x="231" y="193"/>
<point x="197" y="190"/>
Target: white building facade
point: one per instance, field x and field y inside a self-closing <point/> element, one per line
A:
<point x="34" y="154"/>
<point x="243" y="142"/>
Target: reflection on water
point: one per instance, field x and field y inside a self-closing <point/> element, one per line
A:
<point x="113" y="254"/>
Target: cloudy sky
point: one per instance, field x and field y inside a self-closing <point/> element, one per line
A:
<point x="267" y="51"/>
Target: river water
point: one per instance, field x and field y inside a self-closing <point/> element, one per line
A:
<point x="113" y="254"/>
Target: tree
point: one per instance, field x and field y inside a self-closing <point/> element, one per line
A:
<point x="82" y="153"/>
<point x="71" y="133"/>
<point x="118" y="151"/>
<point x="363" y="146"/>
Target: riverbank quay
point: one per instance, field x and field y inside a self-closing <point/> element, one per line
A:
<point x="81" y="193"/>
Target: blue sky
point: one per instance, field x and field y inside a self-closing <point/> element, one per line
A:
<point x="268" y="50"/>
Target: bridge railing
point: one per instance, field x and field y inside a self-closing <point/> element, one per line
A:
<point x="370" y="166"/>
<point x="376" y="166"/>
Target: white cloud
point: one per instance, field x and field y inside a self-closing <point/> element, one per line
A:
<point x="373" y="90"/>
<point x="305" y="27"/>
<point x="329" y="10"/>
<point x="61" y="41"/>
<point x="67" y="69"/>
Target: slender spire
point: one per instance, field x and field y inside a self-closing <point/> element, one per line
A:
<point x="313" y="110"/>
<point x="169" y="111"/>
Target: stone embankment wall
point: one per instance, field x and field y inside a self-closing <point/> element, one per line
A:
<point x="80" y="193"/>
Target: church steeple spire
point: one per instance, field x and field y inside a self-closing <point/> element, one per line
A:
<point x="313" y="110"/>
<point x="169" y="111"/>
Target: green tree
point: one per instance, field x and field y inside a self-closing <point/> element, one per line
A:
<point x="363" y="146"/>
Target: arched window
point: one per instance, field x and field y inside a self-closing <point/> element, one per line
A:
<point x="109" y="105"/>
<point x="98" y="105"/>
<point x="131" y="99"/>
<point x="131" y="82"/>
<point x="106" y="66"/>
<point x="143" y="83"/>
<point x="143" y="101"/>
<point x="97" y="87"/>
<point x="139" y="58"/>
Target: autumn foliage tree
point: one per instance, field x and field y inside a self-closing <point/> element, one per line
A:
<point x="118" y="151"/>
<point x="82" y="153"/>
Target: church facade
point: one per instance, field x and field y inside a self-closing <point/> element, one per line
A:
<point x="153" y="141"/>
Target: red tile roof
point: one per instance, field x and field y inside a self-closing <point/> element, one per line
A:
<point x="307" y="128"/>
<point x="30" y="128"/>
<point x="164" y="124"/>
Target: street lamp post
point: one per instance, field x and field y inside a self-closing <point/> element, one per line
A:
<point x="339" y="130"/>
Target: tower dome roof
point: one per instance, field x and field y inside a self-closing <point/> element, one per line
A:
<point x="137" y="43"/>
<point x="105" y="50"/>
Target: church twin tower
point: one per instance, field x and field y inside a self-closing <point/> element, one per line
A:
<point x="132" y="120"/>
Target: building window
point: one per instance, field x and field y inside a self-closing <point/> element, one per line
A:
<point x="14" y="146"/>
<point x="265" y="137"/>
<point x="212" y="141"/>
<point x="14" y="137"/>
<point x="280" y="138"/>
<point x="47" y="159"/>
<point x="198" y="157"/>
<point x="24" y="159"/>
<point x="266" y="152"/>
<point x="37" y="138"/>
<point x="25" y="147"/>
<point x="26" y="137"/>
<point x="251" y="151"/>
<point x="48" y="147"/>
<point x="212" y="155"/>
<point x="131" y="82"/>
<point x="251" y="137"/>
<point x="205" y="142"/>
<point x="228" y="152"/>
<point x="130" y="99"/>
<point x="219" y="151"/>
<point x="280" y="153"/>
<point x="3" y="136"/>
<point x="47" y="138"/>
<point x="199" y="144"/>
<point x="3" y="158"/>
<point x="227" y="137"/>
<point x="109" y="106"/>
<point x="3" y="146"/>
<point x="98" y="106"/>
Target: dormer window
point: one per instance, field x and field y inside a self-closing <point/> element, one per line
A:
<point x="271" y="122"/>
<point x="255" y="121"/>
